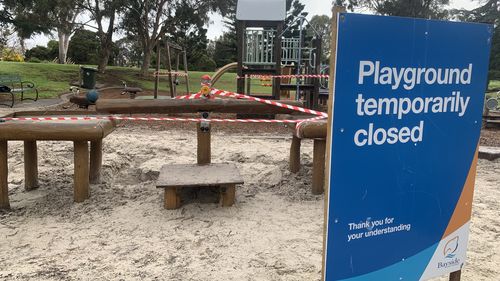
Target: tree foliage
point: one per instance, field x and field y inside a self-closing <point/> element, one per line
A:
<point x="489" y="13"/>
<point x="428" y="9"/>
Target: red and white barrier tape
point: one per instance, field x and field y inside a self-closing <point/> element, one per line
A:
<point x="182" y="74"/>
<point x="221" y="93"/>
<point x="256" y="76"/>
<point x="299" y="124"/>
<point x="128" y="118"/>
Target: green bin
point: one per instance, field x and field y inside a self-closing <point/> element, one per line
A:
<point x="88" y="77"/>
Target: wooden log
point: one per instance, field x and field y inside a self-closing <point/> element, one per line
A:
<point x="204" y="152"/>
<point x="81" y="177"/>
<point x="4" y="187"/>
<point x="30" y="165"/>
<point x="228" y="195"/>
<point x="455" y="276"/>
<point x="172" y="198"/>
<point x="95" y="161"/>
<point x="313" y="130"/>
<point x="318" y="181"/>
<point x="295" y="155"/>
<point x="110" y="106"/>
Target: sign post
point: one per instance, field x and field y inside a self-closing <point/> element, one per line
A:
<point x="407" y="105"/>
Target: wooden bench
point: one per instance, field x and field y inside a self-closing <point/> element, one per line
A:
<point x="16" y="85"/>
<point x="223" y="176"/>
<point x="87" y="164"/>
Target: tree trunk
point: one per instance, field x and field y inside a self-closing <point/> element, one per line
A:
<point x="103" y="58"/>
<point x="63" y="46"/>
<point x="146" y="61"/>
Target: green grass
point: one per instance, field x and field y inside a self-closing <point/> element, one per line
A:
<point x="494" y="84"/>
<point x="54" y="79"/>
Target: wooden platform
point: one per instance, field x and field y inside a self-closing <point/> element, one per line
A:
<point x="175" y="177"/>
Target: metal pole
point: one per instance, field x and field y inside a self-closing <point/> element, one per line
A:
<point x="299" y="61"/>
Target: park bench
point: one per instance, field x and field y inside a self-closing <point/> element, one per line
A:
<point x="12" y="85"/>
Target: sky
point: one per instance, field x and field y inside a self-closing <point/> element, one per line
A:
<point x="313" y="7"/>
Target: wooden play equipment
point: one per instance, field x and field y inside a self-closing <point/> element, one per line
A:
<point x="225" y="176"/>
<point x="87" y="164"/>
<point x="310" y="130"/>
<point x="172" y="75"/>
<point x="262" y="50"/>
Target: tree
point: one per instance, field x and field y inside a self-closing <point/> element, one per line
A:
<point x="322" y="25"/>
<point x="43" y="53"/>
<point x="34" y="16"/>
<point x="294" y="9"/>
<point x="429" y="9"/>
<point x="84" y="47"/>
<point x="489" y="12"/>
<point x="102" y="12"/>
<point x="149" y="20"/>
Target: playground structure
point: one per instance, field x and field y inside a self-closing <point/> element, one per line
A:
<point x="262" y="50"/>
<point x="87" y="168"/>
<point x="173" y="75"/>
<point x="491" y="114"/>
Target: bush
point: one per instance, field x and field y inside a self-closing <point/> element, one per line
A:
<point x="35" y="60"/>
<point x="205" y="63"/>
<point x="11" y="55"/>
<point x="494" y="74"/>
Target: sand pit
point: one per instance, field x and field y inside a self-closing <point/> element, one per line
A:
<point x="274" y="231"/>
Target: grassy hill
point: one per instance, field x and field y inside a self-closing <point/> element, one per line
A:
<point x="53" y="79"/>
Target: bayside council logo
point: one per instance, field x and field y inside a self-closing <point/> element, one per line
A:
<point x="450" y="248"/>
<point x="449" y="253"/>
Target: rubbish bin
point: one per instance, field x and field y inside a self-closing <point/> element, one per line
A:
<point x="88" y="77"/>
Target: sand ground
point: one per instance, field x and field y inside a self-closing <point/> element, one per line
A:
<point x="274" y="232"/>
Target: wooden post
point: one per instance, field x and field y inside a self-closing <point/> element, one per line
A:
<point x="295" y="155"/>
<point x="455" y="276"/>
<point x="318" y="166"/>
<point x="186" y="70"/>
<point x="81" y="177"/>
<point x="95" y="161"/>
<point x="172" y="199"/>
<point x="169" y="69"/>
<point x="228" y="195"/>
<point x="204" y="145"/>
<point x="158" y="64"/>
<point x="241" y="49"/>
<point x="4" y="186"/>
<point x="30" y="165"/>
<point x="277" y="56"/>
<point x="335" y="15"/>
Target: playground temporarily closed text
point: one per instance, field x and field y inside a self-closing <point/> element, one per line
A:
<point x="401" y="80"/>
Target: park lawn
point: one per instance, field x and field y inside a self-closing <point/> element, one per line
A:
<point x="494" y="84"/>
<point x="54" y="79"/>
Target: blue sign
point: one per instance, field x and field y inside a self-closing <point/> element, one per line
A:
<point x="408" y="104"/>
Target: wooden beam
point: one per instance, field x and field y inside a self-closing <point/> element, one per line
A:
<point x="313" y="130"/>
<point x="4" y="186"/>
<point x="95" y="161"/>
<point x="81" y="177"/>
<point x="30" y="165"/>
<point x="318" y="176"/>
<point x="295" y="155"/>
<point x="455" y="276"/>
<point x="122" y="106"/>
